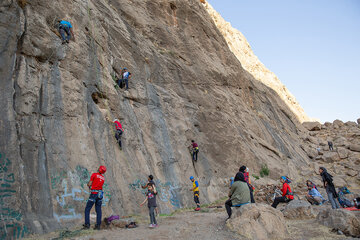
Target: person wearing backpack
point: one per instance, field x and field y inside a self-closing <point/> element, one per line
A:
<point x="287" y="194"/>
<point x="330" y="188"/>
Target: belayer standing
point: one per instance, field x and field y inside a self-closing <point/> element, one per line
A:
<point x="66" y="27"/>
<point x="195" y="150"/>
<point x="330" y="188"/>
<point x="151" y="199"/>
<point x="196" y="191"/>
<point x="287" y="194"/>
<point x="96" y="196"/>
<point x="119" y="130"/>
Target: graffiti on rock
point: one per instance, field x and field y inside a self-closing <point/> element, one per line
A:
<point x="11" y="225"/>
<point x="166" y="191"/>
<point x="70" y="197"/>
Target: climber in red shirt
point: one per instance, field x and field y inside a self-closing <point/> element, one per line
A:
<point x="96" y="196"/>
<point x="287" y="194"/>
<point x="119" y="130"/>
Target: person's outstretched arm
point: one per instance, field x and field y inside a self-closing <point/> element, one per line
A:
<point x="144" y="202"/>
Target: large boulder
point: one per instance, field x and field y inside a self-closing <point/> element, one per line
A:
<point x="340" y="219"/>
<point x="258" y="221"/>
<point x="312" y="126"/>
<point x="343" y="152"/>
<point x="330" y="157"/>
<point x="354" y="147"/>
<point x="299" y="209"/>
<point x="338" y="123"/>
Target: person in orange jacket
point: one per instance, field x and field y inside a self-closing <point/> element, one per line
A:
<point x="287" y="194"/>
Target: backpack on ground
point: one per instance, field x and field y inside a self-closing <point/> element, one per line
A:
<point x="344" y="202"/>
<point x="344" y="190"/>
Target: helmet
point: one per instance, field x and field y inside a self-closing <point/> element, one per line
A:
<point x="102" y="169"/>
<point x="124" y="68"/>
<point x="115" y="120"/>
<point x="283" y="178"/>
<point x="191" y="178"/>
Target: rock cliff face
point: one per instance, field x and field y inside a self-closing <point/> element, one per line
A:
<point x="187" y="84"/>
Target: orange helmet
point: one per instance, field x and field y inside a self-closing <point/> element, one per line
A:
<point x="102" y="169"/>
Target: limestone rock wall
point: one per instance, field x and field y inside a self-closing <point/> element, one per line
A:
<point x="187" y="84"/>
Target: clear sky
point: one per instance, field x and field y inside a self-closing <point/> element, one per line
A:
<point x="313" y="46"/>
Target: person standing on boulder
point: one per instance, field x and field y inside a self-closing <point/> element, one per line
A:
<point x="96" y="196"/>
<point x="119" y="130"/>
<point x="287" y="194"/>
<point x="239" y="193"/>
<point x="245" y="171"/>
<point x="66" y="27"/>
<point x="196" y="191"/>
<point x="329" y="186"/>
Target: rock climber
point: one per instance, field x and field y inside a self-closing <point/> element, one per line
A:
<point x="313" y="196"/>
<point x="329" y="186"/>
<point x="119" y="130"/>
<point x="287" y="194"/>
<point x="126" y="75"/>
<point x="96" y="196"/>
<point x="196" y="191"/>
<point x="239" y="193"/>
<point x="66" y="27"/>
<point x="245" y="171"/>
<point x="151" y="199"/>
<point x="195" y="150"/>
<point x="330" y="144"/>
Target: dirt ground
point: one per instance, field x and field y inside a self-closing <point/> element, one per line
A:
<point x="209" y="224"/>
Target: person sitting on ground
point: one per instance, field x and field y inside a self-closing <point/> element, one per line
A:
<point x="126" y="75"/>
<point x="195" y="150"/>
<point x="245" y="171"/>
<point x="313" y="196"/>
<point x="330" y="188"/>
<point x="287" y="194"/>
<point x="196" y="191"/>
<point x="151" y="199"/>
<point x="66" y="27"/>
<point x="239" y="193"/>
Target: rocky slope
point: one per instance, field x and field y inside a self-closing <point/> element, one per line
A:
<point x="187" y="84"/>
<point x="241" y="48"/>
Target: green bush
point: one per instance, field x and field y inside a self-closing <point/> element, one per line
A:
<point x="264" y="171"/>
<point x="256" y="177"/>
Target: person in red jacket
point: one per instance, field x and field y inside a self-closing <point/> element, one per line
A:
<point x="119" y="130"/>
<point x="96" y="196"/>
<point x="287" y="194"/>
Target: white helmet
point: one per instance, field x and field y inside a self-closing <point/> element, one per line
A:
<point x="115" y="120"/>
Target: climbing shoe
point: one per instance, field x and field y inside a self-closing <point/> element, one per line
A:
<point x="197" y="209"/>
<point x="97" y="227"/>
<point x="86" y="226"/>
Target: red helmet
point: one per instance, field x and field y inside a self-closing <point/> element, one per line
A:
<point x="102" y="169"/>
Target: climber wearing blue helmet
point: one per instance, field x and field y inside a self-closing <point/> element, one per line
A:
<point x="195" y="189"/>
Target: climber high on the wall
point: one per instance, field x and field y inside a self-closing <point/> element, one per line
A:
<point x="196" y="191"/>
<point x="126" y="75"/>
<point x="96" y="196"/>
<point x="119" y="130"/>
<point x="195" y="150"/>
<point x="66" y="27"/>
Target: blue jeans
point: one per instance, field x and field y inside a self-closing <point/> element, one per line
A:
<point x="126" y="83"/>
<point x="333" y="201"/>
<point x="63" y="30"/>
<point x="93" y="199"/>
<point x="152" y="215"/>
